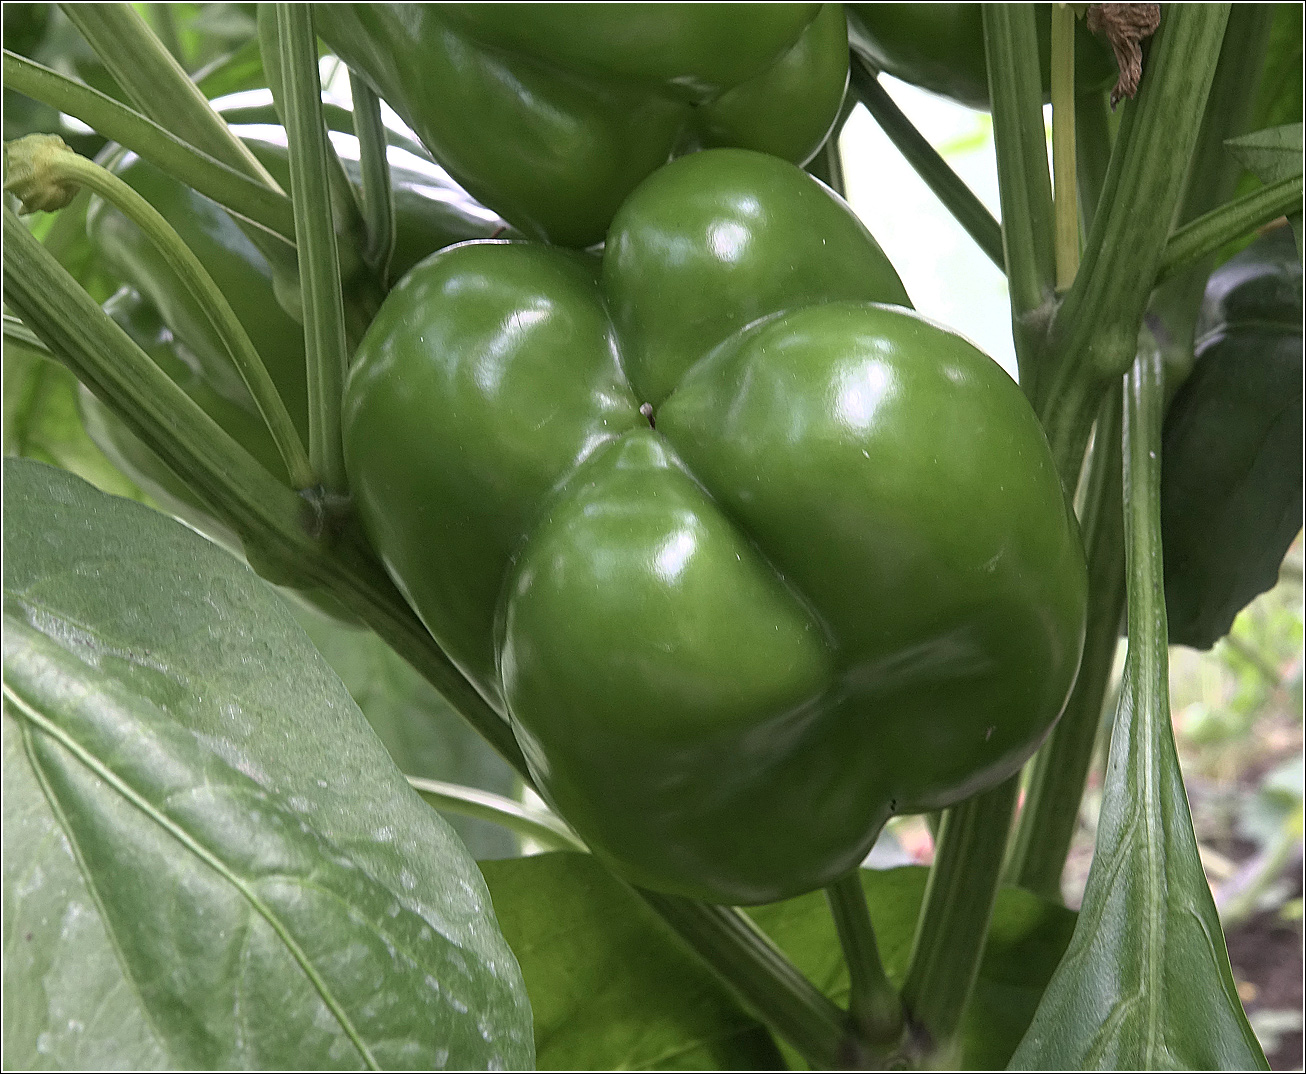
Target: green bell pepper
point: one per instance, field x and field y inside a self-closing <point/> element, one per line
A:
<point x="750" y="558"/>
<point x="551" y="114"/>
<point x="940" y="47"/>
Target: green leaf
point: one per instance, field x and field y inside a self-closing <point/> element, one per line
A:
<point x="612" y="988"/>
<point x="43" y="421"/>
<point x="1146" y="982"/>
<point x="423" y="734"/>
<point x="1231" y="486"/>
<point x="1271" y="154"/>
<point x="210" y="859"/>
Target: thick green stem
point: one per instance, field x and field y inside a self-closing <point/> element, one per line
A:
<point x="1096" y="327"/>
<point x="947" y="186"/>
<point x="1056" y="777"/>
<point x="247" y="198"/>
<point x="1206" y="234"/>
<point x="319" y="263"/>
<point x="378" y="203"/>
<point x="873" y="1002"/>
<point x="165" y="25"/>
<point x="158" y="85"/>
<point x="345" y="206"/>
<point x="105" y="359"/>
<point x="1065" y="203"/>
<point x="1020" y="145"/>
<point x="1092" y="152"/>
<point x="954" y="919"/>
<point x="539" y="825"/>
<point x="43" y="165"/>
<point x="746" y="959"/>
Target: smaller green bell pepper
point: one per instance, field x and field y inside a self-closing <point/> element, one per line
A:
<point x="940" y="47"/>
<point x="551" y="114"/>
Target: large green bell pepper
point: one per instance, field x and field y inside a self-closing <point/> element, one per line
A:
<point x="749" y="560"/>
<point x="940" y="47"/>
<point x="551" y="114"/>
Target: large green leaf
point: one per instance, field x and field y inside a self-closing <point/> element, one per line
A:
<point x="210" y="860"/>
<point x="613" y="988"/>
<point x="1146" y="982"/>
<point x="423" y="734"/>
<point x="1231" y="489"/>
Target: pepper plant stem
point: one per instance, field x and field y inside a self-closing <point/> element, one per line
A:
<point x="1230" y="221"/>
<point x="378" y="202"/>
<point x="158" y="85"/>
<point x="746" y="959"/>
<point x="1065" y="203"/>
<point x="1056" y="777"/>
<point x="540" y="825"/>
<point x="247" y="198"/>
<point x="1097" y="324"/>
<point x="345" y="206"/>
<point x="955" y="914"/>
<point x="65" y="166"/>
<point x="873" y="1002"/>
<point x="1092" y="152"/>
<point x="1020" y="145"/>
<point x="319" y="263"/>
<point x="947" y="186"/>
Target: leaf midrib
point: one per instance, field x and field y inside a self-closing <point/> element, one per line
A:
<point x="128" y="793"/>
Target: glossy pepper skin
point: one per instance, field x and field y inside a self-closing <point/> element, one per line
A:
<point x="940" y="47"/>
<point x="834" y="577"/>
<point x="551" y="114"/>
<point x="165" y="321"/>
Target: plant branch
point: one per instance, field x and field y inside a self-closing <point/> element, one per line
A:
<point x="873" y="1001"/>
<point x="1065" y="203"/>
<point x="954" y="919"/>
<point x="1020" y="145"/>
<point x="39" y="167"/>
<point x="1056" y="777"/>
<point x="319" y="263"/>
<point x="378" y="203"/>
<point x="158" y="85"/>
<point x="1205" y="235"/>
<point x="947" y="186"/>
<point x="745" y="958"/>
<point x="1096" y="328"/>
<point x="1092" y="152"/>
<point x="247" y="198"/>
<point x="540" y="825"/>
<point x="345" y="206"/>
